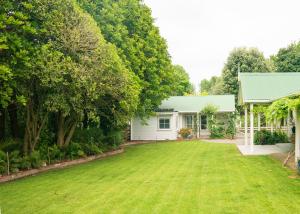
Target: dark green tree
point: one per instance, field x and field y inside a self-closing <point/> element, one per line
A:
<point x="128" y="25"/>
<point x="288" y="59"/>
<point x="242" y="60"/>
<point x="213" y="86"/>
<point x="182" y="82"/>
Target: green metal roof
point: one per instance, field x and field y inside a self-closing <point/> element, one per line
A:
<point x="225" y="103"/>
<point x="267" y="87"/>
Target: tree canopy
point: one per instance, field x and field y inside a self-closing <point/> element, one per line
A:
<point x="242" y="60"/>
<point x="288" y="59"/>
<point x="213" y="86"/>
<point x="128" y="25"/>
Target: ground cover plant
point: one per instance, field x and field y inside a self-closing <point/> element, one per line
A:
<point x="179" y="177"/>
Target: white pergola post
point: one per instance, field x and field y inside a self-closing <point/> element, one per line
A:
<point x="297" y="137"/>
<point x="246" y="125"/>
<point x="251" y="127"/>
<point x="258" y="122"/>
<point x="272" y="127"/>
<point x="288" y="123"/>
<point x="198" y="125"/>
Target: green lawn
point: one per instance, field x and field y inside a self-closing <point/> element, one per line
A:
<point x="185" y="177"/>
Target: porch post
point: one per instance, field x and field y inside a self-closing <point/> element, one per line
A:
<point x="258" y="121"/>
<point x="297" y="136"/>
<point x="288" y="123"/>
<point x="272" y="128"/>
<point x="198" y="125"/>
<point x="251" y="127"/>
<point x="246" y="125"/>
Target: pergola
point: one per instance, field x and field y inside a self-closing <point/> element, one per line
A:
<point x="265" y="88"/>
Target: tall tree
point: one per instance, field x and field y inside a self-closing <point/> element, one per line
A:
<point x="17" y="44"/>
<point x="288" y="59"/>
<point x="182" y="82"/>
<point x="78" y="68"/>
<point x="129" y="26"/>
<point x="213" y="86"/>
<point x="243" y="60"/>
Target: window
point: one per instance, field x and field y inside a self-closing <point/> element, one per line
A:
<point x="164" y="123"/>
<point x="189" y="121"/>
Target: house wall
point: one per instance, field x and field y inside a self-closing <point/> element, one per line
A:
<point x="151" y="131"/>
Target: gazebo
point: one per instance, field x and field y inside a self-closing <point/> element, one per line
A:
<point x="265" y="88"/>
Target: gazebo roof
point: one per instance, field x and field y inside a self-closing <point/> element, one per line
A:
<point x="267" y="87"/>
<point x="225" y="103"/>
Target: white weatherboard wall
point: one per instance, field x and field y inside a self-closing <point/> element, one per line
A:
<point x="151" y="131"/>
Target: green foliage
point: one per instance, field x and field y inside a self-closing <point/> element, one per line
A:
<point x="209" y="110"/>
<point x="214" y="86"/>
<point x="74" y="150"/>
<point x="185" y="132"/>
<point x="216" y="131"/>
<point x="114" y="138"/>
<point x="182" y="82"/>
<point x="265" y="137"/>
<point x="230" y="129"/>
<point x="288" y="59"/>
<point x="129" y="26"/>
<point x="243" y="60"/>
<point x="9" y="145"/>
<point x="35" y="159"/>
<point x="3" y="160"/>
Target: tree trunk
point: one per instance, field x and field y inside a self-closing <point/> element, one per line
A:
<point x="13" y="116"/>
<point x="66" y="129"/>
<point x="60" y="130"/>
<point x="2" y="124"/>
<point x="34" y="126"/>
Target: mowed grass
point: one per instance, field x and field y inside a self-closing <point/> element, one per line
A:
<point x="179" y="177"/>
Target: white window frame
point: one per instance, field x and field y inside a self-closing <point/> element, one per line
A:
<point x="165" y="118"/>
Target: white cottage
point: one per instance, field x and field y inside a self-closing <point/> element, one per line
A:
<point x="180" y="112"/>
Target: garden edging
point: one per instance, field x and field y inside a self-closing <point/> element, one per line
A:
<point x="60" y="165"/>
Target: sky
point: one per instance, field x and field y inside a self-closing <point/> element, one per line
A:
<point x="201" y="33"/>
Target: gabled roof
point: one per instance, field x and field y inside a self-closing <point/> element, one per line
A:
<point x="267" y="87"/>
<point x="225" y="103"/>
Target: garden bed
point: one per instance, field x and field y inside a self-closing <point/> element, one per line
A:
<point x="60" y="165"/>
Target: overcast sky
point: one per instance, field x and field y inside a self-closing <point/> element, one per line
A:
<point x="201" y="33"/>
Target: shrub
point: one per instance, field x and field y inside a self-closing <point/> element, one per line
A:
<point x="185" y="133"/>
<point x="91" y="149"/>
<point x="230" y="130"/>
<point x="35" y="159"/>
<point x="216" y="131"/>
<point x="280" y="137"/>
<point x="3" y="166"/>
<point x="265" y="137"/>
<point x="90" y="135"/>
<point x="54" y="154"/>
<point x="74" y="150"/>
<point x="10" y="145"/>
<point x="14" y="162"/>
<point x="114" y="138"/>
<point x="25" y="163"/>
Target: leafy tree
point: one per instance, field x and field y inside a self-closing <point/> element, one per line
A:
<point x="288" y="59"/>
<point x="214" y="86"/>
<point x="85" y="70"/>
<point x="129" y="26"/>
<point x="182" y="82"/>
<point x="243" y="60"/>
<point x="17" y="44"/>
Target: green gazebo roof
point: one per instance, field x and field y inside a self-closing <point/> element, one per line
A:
<point x="225" y="103"/>
<point x="267" y="87"/>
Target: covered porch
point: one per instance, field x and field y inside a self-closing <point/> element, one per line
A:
<point x="258" y="89"/>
